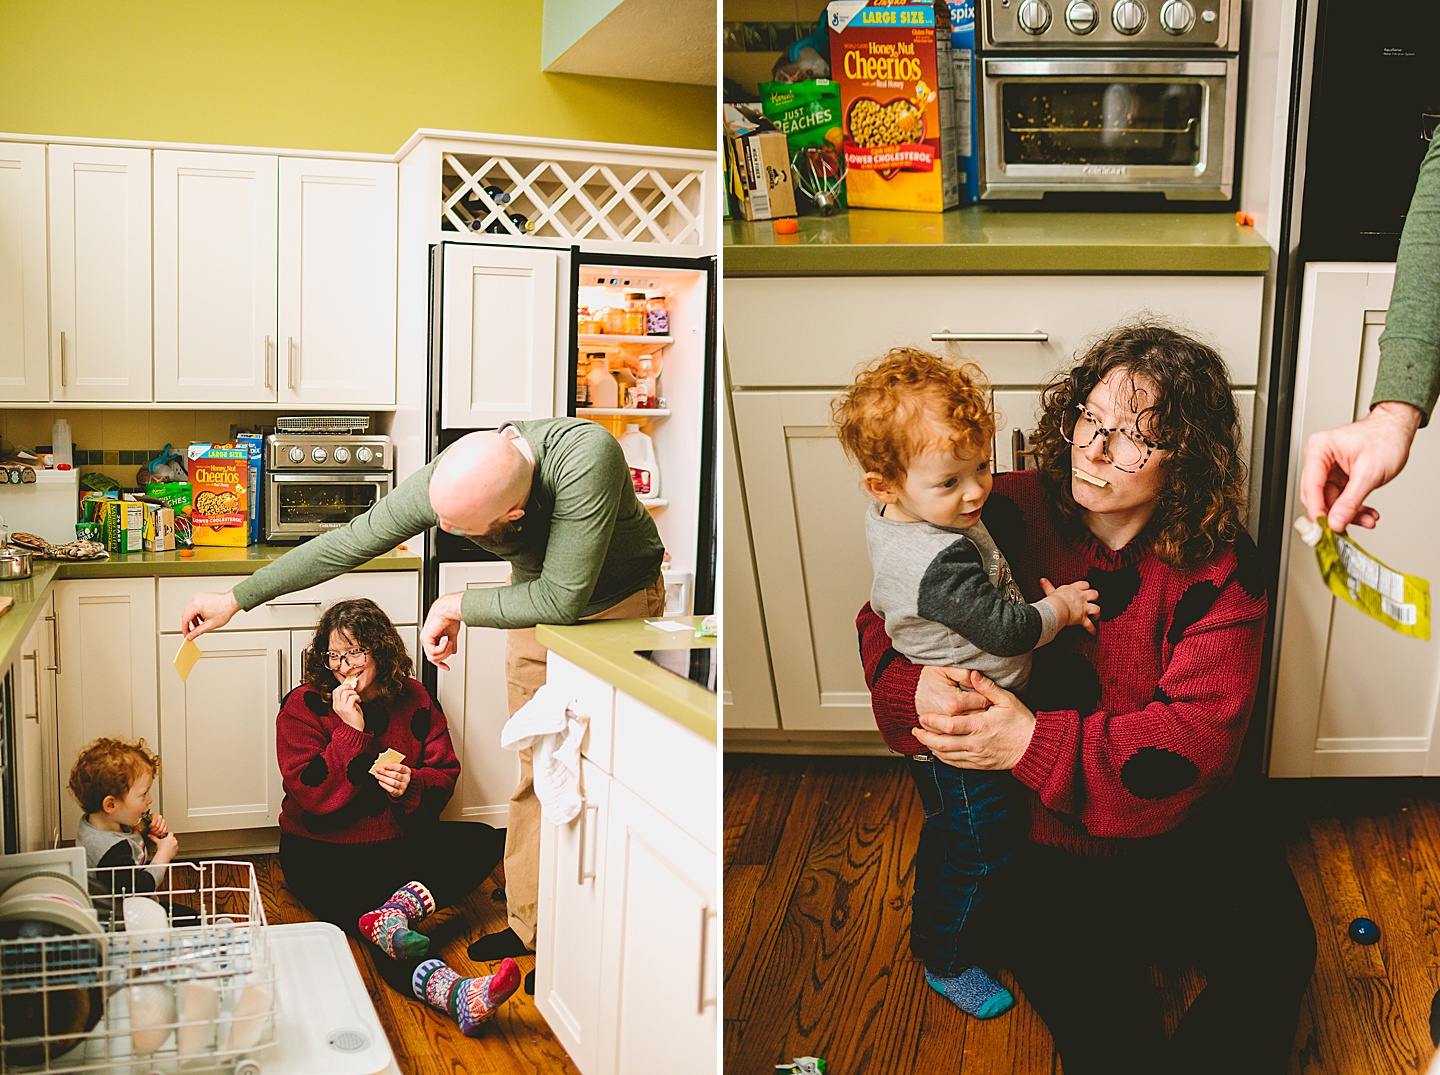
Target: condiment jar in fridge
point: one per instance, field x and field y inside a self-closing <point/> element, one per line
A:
<point x="614" y="319"/>
<point x="647" y="383"/>
<point x="635" y="313"/>
<point x="657" y="316"/>
<point x="626" y="380"/>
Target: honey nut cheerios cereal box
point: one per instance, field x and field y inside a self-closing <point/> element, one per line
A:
<point x="219" y="494"/>
<point x="897" y="102"/>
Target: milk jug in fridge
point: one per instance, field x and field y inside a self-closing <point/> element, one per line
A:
<point x="639" y="452"/>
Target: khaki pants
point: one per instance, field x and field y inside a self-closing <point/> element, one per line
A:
<point x="524" y="675"/>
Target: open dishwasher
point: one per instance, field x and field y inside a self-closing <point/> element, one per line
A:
<point x="188" y="979"/>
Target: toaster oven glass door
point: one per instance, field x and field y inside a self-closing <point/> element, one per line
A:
<point x="302" y="505"/>
<point x="1110" y="124"/>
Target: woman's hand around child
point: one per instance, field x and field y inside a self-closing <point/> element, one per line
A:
<point x="946" y="691"/>
<point x="993" y="739"/>
<point x="394" y="778"/>
<point x="346" y="704"/>
<point x="1074" y="603"/>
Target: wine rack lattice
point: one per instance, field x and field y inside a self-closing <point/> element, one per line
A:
<point x="573" y="200"/>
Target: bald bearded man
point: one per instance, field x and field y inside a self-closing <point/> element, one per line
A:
<point x="555" y="499"/>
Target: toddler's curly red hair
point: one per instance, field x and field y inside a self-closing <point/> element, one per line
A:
<point x="905" y="402"/>
<point x="109" y="767"/>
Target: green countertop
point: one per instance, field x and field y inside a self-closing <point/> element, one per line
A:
<point x="29" y="594"/>
<point x="872" y="242"/>
<point x="606" y="648"/>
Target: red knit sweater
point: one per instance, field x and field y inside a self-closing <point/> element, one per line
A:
<point x="325" y="766"/>
<point x="1135" y="725"/>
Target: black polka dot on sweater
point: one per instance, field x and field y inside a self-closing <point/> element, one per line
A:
<point x="432" y="801"/>
<point x="358" y="771"/>
<point x="1194" y="603"/>
<point x="1248" y="571"/>
<point x="1117" y="589"/>
<point x="1157" y="773"/>
<point x="1070" y="821"/>
<point x="377" y="717"/>
<point x="1161" y="696"/>
<point x="420" y="724"/>
<point x="1062" y="679"/>
<point x="314" y="774"/>
<point x="316" y="704"/>
<point x="1006" y="525"/>
<point x="334" y="821"/>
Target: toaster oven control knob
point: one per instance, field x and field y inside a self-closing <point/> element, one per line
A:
<point x="1129" y="17"/>
<point x="1034" y="16"/>
<point x="318" y="454"/>
<point x="1081" y="16"/>
<point x="1177" y="17"/>
<point x="342" y="455"/>
<point x="364" y="454"/>
<point x="296" y="455"/>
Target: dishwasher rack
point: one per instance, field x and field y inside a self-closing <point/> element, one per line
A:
<point x="188" y="987"/>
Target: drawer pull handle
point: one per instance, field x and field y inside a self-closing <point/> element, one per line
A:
<point x="707" y="1000"/>
<point x="945" y="335"/>
<point x="55" y="627"/>
<point x="35" y="716"/>
<point x="291" y="604"/>
<point x="584" y="874"/>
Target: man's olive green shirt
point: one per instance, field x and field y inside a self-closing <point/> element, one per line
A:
<point x="1410" y="345"/>
<point x="584" y="543"/>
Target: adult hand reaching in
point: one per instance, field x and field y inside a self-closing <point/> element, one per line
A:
<point x="206" y="612"/>
<point x="439" y="638"/>
<point x="1343" y="466"/>
<point x="994" y="738"/>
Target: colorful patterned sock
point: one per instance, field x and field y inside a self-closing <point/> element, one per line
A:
<point x="973" y="991"/>
<point x="469" y="1001"/>
<point x="389" y="924"/>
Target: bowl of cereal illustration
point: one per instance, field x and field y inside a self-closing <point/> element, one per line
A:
<point x="873" y="125"/>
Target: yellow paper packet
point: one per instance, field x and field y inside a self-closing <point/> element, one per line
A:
<point x="1401" y="602"/>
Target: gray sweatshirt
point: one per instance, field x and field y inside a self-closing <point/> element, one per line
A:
<point x="947" y="598"/>
<point x="125" y="848"/>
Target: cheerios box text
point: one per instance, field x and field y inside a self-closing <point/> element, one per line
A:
<point x="897" y="99"/>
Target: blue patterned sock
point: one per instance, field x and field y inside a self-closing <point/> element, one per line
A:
<point x="974" y="992"/>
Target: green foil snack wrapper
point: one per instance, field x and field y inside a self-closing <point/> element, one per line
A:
<point x="806" y="112"/>
<point x="1400" y="601"/>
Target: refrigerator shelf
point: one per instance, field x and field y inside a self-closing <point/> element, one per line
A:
<point x="622" y="412"/>
<point x="602" y="339"/>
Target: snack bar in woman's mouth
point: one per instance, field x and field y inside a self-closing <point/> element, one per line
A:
<point x="1086" y="476"/>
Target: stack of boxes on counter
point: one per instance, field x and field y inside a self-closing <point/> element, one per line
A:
<point x="218" y="504"/>
<point x="893" y="127"/>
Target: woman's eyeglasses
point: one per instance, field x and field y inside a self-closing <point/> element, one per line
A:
<point x="356" y="656"/>
<point x="1125" y="449"/>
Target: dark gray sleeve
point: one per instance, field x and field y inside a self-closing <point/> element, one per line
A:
<point x="133" y="879"/>
<point x="956" y="591"/>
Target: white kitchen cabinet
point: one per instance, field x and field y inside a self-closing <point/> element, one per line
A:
<point x="626" y="947"/>
<point x="1353" y="698"/>
<point x="337" y="272"/>
<point x="37" y="766"/>
<point x="747" y="697"/>
<point x="473" y="696"/>
<point x="503" y="326"/>
<point x="24" y="284"/>
<point x="100" y="265"/>
<point x="216" y="270"/>
<point x="105" y="668"/>
<point x="217" y="729"/>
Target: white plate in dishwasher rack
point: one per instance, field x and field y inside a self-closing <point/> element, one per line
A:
<point x="324" y="1021"/>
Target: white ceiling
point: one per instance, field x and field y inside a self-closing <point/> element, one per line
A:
<point x="654" y="40"/>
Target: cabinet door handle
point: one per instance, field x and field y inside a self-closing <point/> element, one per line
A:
<point x="945" y="335"/>
<point x="290" y="361"/>
<point x="63" y="381"/>
<point x="55" y="627"/>
<point x="280" y="677"/>
<point x="269" y="350"/>
<point x="290" y="604"/>
<point x="587" y="875"/>
<point x="1018" y="451"/>
<point x="35" y="716"/>
<point x="706" y="1000"/>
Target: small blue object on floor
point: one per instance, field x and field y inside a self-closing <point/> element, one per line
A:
<point x="973" y="992"/>
<point x="1364" y="931"/>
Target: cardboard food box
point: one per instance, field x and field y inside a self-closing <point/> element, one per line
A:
<point x="967" y="123"/>
<point x="220" y="494"/>
<point x="159" y="534"/>
<point x="255" y="444"/>
<point x="759" y="165"/>
<point x="122" y="525"/>
<point x="897" y="102"/>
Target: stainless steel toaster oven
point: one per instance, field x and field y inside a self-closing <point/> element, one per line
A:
<point x="320" y="479"/>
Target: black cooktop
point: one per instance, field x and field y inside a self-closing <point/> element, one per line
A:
<point x="697" y="665"/>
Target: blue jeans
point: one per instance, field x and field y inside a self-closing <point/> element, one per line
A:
<point x="975" y="820"/>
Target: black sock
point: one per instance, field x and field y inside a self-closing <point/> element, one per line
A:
<point x="530" y="982"/>
<point x="494" y="946"/>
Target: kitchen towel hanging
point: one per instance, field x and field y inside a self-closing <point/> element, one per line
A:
<point x="553" y="733"/>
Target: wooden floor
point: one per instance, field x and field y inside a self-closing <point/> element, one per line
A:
<point x="818" y="857"/>
<point x="517" y="1039"/>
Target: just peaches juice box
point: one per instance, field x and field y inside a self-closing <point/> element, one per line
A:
<point x="897" y="99"/>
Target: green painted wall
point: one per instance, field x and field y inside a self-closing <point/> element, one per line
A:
<point x="345" y="75"/>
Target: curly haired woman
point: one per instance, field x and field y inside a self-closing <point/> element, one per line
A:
<point x="361" y="844"/>
<point x="1128" y="739"/>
